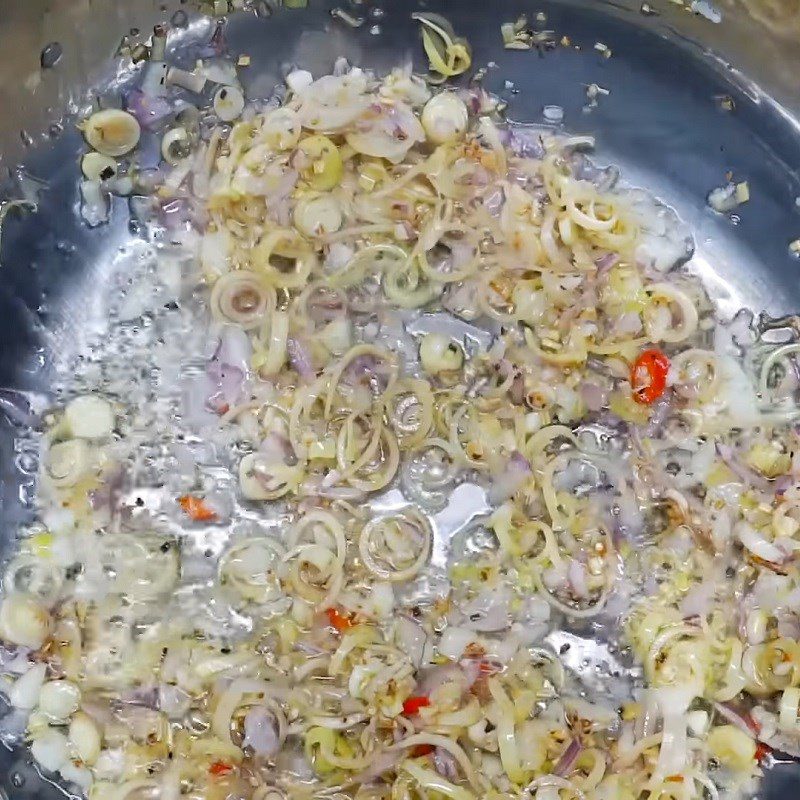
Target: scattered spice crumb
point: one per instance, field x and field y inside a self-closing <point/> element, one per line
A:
<point x="725" y="199"/>
<point x="244" y="61"/>
<point x="602" y="48"/>
<point x="725" y="102"/>
<point x="593" y="92"/>
<point x="346" y="17"/>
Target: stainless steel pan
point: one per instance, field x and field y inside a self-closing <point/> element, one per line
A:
<point x="663" y="122"/>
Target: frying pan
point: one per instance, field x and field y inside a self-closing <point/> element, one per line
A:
<point x="691" y="98"/>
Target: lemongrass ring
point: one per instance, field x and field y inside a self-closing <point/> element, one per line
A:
<point x="367" y="261"/>
<point x="403" y="285"/>
<point x="97" y="167"/>
<point x="375" y="535"/>
<point x="318" y="216"/>
<point x="455" y="274"/>
<point x="175" y="145"/>
<point x="409" y="409"/>
<point x="335" y="375"/>
<point x="687" y="363"/>
<point x="323" y="585"/>
<point x="777" y="355"/>
<point x="590" y="220"/>
<point x="590" y="781"/>
<point x="497" y="284"/>
<point x="112" y="132"/>
<point x="507" y="744"/>
<point x="325" y="165"/>
<point x="377" y="475"/>
<point x="309" y="523"/>
<point x="445" y="118"/>
<point x="688" y="313"/>
<point x="455" y="433"/>
<point x="281" y="129"/>
<point x="265" y="481"/>
<point x="242" y="298"/>
<point x="621" y="238"/>
<point x="348" y="457"/>
<point x="319" y="523"/>
<point x="289" y="246"/>
<point x="301" y="433"/>
<point x="440" y="354"/>
<point x="228" y="103"/>
<point x="551" y="781"/>
<point x="332" y="304"/>
<point x="249" y="567"/>
<point x="571" y="611"/>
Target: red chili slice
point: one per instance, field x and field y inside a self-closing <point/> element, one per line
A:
<point x="413" y="704"/>
<point x="649" y="376"/>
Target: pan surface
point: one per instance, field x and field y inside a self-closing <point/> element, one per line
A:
<point x="666" y="121"/>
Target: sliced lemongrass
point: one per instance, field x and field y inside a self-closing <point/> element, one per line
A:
<point x="228" y="103"/>
<point x="316" y="216"/>
<point x="175" y="145"/>
<point x="438" y="353"/>
<point x="445" y="118"/>
<point x="97" y="167"/>
<point x="112" y="132"/>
